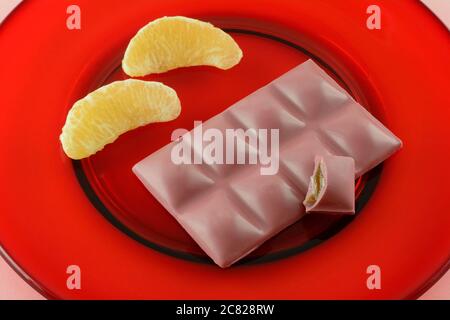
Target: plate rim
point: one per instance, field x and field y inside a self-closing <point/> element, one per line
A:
<point x="40" y="288"/>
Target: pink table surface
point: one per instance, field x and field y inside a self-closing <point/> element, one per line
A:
<point x="12" y="286"/>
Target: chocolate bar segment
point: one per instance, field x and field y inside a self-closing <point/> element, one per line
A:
<point x="332" y="186"/>
<point x="231" y="209"/>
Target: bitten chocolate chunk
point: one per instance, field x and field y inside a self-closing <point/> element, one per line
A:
<point x="332" y="186"/>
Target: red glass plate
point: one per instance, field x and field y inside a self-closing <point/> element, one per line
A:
<point x="95" y="213"/>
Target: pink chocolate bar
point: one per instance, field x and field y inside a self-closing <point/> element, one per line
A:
<point x="332" y="186"/>
<point x="231" y="209"/>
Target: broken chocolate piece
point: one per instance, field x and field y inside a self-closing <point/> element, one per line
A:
<point x="332" y="186"/>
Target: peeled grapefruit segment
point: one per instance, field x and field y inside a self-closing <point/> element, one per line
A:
<point x="172" y="42"/>
<point x="103" y="115"/>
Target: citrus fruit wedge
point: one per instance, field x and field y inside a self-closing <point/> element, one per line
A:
<point x="172" y="42"/>
<point x="103" y="115"/>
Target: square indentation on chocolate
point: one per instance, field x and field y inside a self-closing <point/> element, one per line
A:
<point x="213" y="219"/>
<point x="297" y="158"/>
<point x="357" y="134"/>
<point x="262" y="110"/>
<point x="272" y="200"/>
<point x="310" y="94"/>
<point x="173" y="185"/>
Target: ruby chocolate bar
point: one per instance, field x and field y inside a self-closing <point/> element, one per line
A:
<point x="233" y="199"/>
